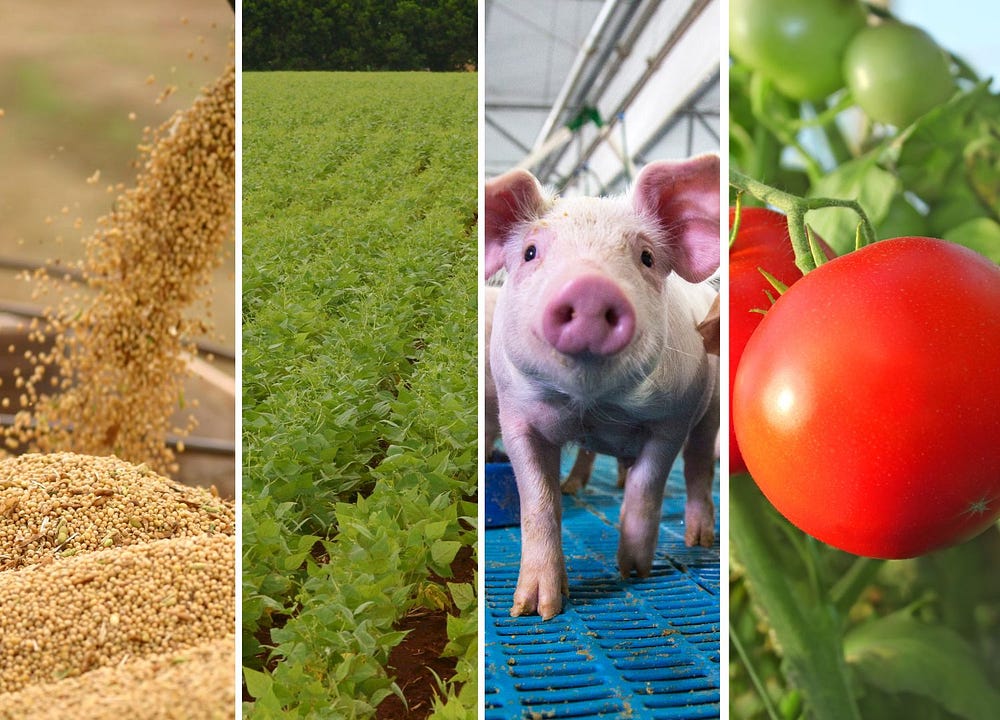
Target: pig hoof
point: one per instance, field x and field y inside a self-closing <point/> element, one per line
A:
<point x="571" y="485"/>
<point x="540" y="595"/>
<point x="641" y="572"/>
<point x="641" y="565"/>
<point x="704" y="536"/>
<point x="637" y="541"/>
<point x="546" y="611"/>
<point x="699" y="521"/>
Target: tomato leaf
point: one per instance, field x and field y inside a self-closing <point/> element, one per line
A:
<point x="862" y="180"/>
<point x="898" y="654"/>
<point x="980" y="234"/>
<point x="982" y="162"/>
<point x="806" y="627"/>
<point x="934" y="146"/>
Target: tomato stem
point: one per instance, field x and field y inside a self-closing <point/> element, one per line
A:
<point x="846" y="591"/>
<point x="762" y="93"/>
<point x="758" y="684"/>
<point x="805" y="624"/>
<point x="825" y="116"/>
<point x="795" y="209"/>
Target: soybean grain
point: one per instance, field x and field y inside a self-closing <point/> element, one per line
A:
<point x="101" y="608"/>
<point x="194" y="683"/>
<point x="113" y="378"/>
<point x="56" y="505"/>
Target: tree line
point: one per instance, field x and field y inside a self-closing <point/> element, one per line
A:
<point x="365" y="35"/>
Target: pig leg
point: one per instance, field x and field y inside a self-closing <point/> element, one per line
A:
<point x="542" y="580"/>
<point x="642" y="506"/>
<point x="623" y="466"/>
<point x="579" y="474"/>
<point x="699" y="469"/>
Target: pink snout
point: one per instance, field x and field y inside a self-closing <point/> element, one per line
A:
<point x="589" y="316"/>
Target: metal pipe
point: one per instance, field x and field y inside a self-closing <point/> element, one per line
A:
<point x="609" y="70"/>
<point x="653" y="66"/>
<point x="588" y="47"/>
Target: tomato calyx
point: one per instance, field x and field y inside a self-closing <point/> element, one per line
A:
<point x="734" y="230"/>
<point x="779" y="287"/>
<point x="808" y="253"/>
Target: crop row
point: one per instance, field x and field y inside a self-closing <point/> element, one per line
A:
<point x="359" y="400"/>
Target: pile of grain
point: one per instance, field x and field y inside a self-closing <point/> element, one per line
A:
<point x="181" y="685"/>
<point x="118" y="597"/>
<point x="113" y="378"/>
<point x="61" y="504"/>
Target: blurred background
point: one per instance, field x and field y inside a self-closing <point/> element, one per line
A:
<point x="975" y="42"/>
<point x="79" y="82"/>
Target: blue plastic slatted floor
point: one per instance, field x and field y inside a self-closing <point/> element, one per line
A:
<point x="621" y="649"/>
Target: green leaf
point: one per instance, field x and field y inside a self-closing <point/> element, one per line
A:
<point x="932" y="149"/>
<point x="259" y="684"/>
<point x="436" y="530"/>
<point x="463" y="594"/>
<point x="863" y="180"/>
<point x="902" y="220"/>
<point x="443" y="552"/>
<point x="979" y="234"/>
<point x="305" y="545"/>
<point x="901" y="655"/>
<point x="955" y="206"/>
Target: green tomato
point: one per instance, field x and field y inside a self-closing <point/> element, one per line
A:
<point x="897" y="72"/>
<point x="797" y="44"/>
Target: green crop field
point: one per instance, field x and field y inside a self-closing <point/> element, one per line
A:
<point x="359" y="385"/>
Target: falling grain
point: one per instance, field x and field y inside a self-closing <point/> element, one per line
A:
<point x="119" y="359"/>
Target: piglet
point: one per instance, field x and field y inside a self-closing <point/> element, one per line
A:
<point x="594" y="341"/>
<point x="583" y="466"/>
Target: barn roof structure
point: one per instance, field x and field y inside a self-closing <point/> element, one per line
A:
<point x="583" y="92"/>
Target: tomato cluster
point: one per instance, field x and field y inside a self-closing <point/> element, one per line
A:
<point x="866" y="401"/>
<point x="810" y="49"/>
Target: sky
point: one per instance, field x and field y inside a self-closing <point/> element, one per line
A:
<point x="967" y="28"/>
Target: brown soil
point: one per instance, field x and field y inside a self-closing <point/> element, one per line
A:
<point x="412" y="661"/>
<point x="415" y="660"/>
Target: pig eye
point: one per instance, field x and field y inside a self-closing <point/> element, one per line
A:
<point x="647" y="258"/>
<point x="530" y="253"/>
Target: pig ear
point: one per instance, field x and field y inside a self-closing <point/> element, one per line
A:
<point x="709" y="328"/>
<point x="682" y="197"/>
<point x="511" y="198"/>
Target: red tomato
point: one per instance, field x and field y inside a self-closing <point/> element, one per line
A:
<point x="867" y="402"/>
<point x="762" y="242"/>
